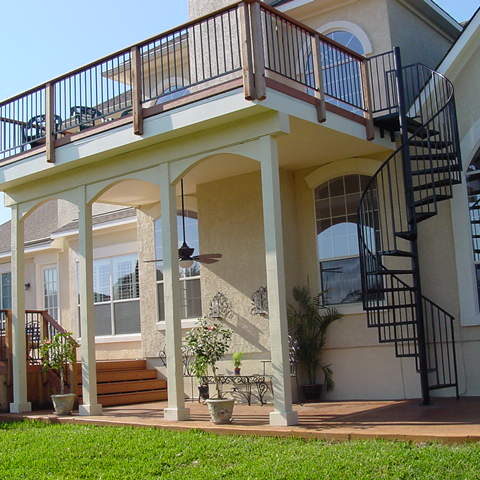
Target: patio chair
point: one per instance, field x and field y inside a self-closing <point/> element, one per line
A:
<point x="33" y="132"/>
<point x="85" y="117"/>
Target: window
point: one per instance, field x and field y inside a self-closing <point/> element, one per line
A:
<point x="6" y="290"/>
<point x="189" y="277"/>
<point x="336" y="204"/>
<point x="341" y="77"/>
<point x="116" y="295"/>
<point x="473" y="189"/>
<point x="50" y="291"/>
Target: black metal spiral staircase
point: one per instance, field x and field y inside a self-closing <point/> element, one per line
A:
<point x="417" y="104"/>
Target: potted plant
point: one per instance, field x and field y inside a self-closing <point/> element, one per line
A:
<point x="237" y="358"/>
<point x="209" y="342"/>
<point x="308" y="323"/>
<point x="57" y="354"/>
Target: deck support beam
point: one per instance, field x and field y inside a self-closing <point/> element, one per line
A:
<point x="19" y="355"/>
<point x="283" y="413"/>
<point x="176" y="410"/>
<point x="87" y="318"/>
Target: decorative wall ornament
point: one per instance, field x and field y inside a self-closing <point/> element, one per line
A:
<point x="219" y="306"/>
<point x="260" y="302"/>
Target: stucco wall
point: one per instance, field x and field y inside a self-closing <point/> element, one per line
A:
<point x="419" y="42"/>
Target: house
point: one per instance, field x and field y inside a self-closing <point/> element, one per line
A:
<point x="294" y="142"/>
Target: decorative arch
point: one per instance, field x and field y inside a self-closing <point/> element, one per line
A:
<point x="350" y="27"/>
<point x="348" y="166"/>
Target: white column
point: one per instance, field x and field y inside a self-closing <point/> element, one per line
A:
<point x="277" y="302"/>
<point x="87" y="319"/>
<point x="19" y="355"/>
<point x="173" y="329"/>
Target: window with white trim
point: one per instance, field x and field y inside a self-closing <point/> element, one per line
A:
<point x="336" y="204"/>
<point x="116" y="295"/>
<point x="191" y="302"/>
<point x="6" y="290"/>
<point x="50" y="291"/>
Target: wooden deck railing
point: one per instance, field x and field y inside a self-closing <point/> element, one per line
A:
<point x="247" y="44"/>
<point x="39" y="326"/>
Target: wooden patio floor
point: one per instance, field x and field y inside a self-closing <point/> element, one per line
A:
<point x="446" y="420"/>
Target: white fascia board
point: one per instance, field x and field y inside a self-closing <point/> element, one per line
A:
<point x="36" y="248"/>
<point x="461" y="50"/>
<point x="100" y="226"/>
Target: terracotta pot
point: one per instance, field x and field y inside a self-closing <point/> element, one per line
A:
<point x="220" y="410"/>
<point x="63" y="404"/>
<point x="312" y="393"/>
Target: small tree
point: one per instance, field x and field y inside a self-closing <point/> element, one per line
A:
<point x="208" y="342"/>
<point x="56" y="354"/>
<point x="308" y="323"/>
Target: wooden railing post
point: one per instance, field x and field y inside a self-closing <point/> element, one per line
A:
<point x="246" y="51"/>
<point x="136" y="62"/>
<point x="367" y="96"/>
<point x="50" y="133"/>
<point x="318" y="78"/>
<point x="258" y="50"/>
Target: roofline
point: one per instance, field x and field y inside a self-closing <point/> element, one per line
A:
<point x="452" y="57"/>
<point x="98" y="226"/>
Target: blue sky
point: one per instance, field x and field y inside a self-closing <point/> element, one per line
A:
<point x="41" y="40"/>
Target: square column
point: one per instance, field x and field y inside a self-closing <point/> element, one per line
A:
<point x="19" y="348"/>
<point x="277" y="302"/>
<point x="87" y="318"/>
<point x="173" y="329"/>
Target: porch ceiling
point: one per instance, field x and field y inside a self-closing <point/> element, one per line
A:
<point x="307" y="145"/>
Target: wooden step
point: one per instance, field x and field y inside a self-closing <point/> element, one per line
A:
<point x="113" y="365"/>
<point x="128" y="387"/>
<point x="131" y="398"/>
<point x="124" y="375"/>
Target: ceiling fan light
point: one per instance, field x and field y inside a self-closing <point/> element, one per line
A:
<point x="186" y="263"/>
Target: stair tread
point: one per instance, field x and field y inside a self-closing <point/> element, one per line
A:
<point x="436" y="144"/>
<point x="439" y="183"/>
<point x="390" y="272"/>
<point x="391" y="307"/>
<point x="434" y="156"/>
<point x="434" y="170"/>
<point x="431" y="199"/>
<point x="395" y="253"/>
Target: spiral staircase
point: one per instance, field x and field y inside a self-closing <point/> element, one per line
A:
<point x="415" y="105"/>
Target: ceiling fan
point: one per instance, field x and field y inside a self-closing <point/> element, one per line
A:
<point x="185" y="252"/>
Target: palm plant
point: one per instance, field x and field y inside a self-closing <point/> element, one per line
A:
<point x="308" y="323"/>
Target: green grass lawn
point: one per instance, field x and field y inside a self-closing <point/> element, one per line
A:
<point x="38" y="451"/>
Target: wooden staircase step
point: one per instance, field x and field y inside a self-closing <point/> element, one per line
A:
<point x="131" y="398"/>
<point x="124" y="375"/>
<point x="114" y="365"/>
<point x="128" y="387"/>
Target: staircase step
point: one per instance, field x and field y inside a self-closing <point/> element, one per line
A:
<point x="391" y="272"/>
<point x="420" y="217"/>
<point x="446" y="182"/>
<point x="395" y="253"/>
<point x="391" y="123"/>
<point x="390" y="307"/>
<point x="131" y="398"/>
<point x="128" y="387"/>
<point x="396" y="324"/>
<point x="107" y="366"/>
<point x="434" y="156"/>
<point x="399" y="289"/>
<point x="434" y="170"/>
<point x="398" y="340"/>
<point x="124" y="375"/>
<point x="436" y="144"/>
<point x="410" y="236"/>
<point x="431" y="199"/>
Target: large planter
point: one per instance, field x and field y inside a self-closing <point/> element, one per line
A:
<point x="312" y="393"/>
<point x="220" y="410"/>
<point x="63" y="404"/>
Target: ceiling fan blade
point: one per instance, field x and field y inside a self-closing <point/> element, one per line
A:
<point x="207" y="256"/>
<point x="156" y="260"/>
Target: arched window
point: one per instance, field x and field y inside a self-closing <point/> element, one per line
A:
<point x="336" y="204"/>
<point x="342" y="78"/>
<point x="473" y="188"/>
<point x="189" y="277"/>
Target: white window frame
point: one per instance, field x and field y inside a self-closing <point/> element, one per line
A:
<point x="44" y="269"/>
<point x="113" y="336"/>
<point x="2" y="287"/>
